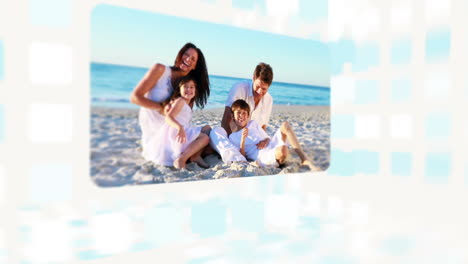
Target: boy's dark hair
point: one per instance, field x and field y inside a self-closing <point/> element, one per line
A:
<point x="240" y="104"/>
<point x="264" y="72"/>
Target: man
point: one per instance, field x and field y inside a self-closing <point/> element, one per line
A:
<point x="255" y="93"/>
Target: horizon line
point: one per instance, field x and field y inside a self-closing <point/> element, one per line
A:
<point x="242" y="78"/>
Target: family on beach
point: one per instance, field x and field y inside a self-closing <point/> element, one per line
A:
<point x="167" y="95"/>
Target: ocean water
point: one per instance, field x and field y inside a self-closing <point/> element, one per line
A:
<point x="111" y="86"/>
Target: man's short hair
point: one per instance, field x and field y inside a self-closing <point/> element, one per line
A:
<point x="240" y="104"/>
<point x="264" y="72"/>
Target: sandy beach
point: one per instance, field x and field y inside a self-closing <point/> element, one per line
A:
<point x="116" y="152"/>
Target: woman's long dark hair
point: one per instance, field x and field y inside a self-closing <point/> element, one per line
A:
<point x="200" y="74"/>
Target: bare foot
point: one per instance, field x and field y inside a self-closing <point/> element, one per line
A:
<point x="201" y="162"/>
<point x="179" y="164"/>
<point x="309" y="164"/>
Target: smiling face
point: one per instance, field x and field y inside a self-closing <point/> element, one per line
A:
<point x="189" y="60"/>
<point x="241" y="117"/>
<point x="260" y="88"/>
<point x="188" y="90"/>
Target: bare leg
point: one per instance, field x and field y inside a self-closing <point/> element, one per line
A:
<point x="198" y="144"/>
<point x="206" y="150"/>
<point x="288" y="133"/>
<point x="199" y="160"/>
<point x="206" y="129"/>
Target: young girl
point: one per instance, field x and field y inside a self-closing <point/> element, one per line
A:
<point x="177" y="133"/>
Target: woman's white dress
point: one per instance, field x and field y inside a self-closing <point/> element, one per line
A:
<point x="157" y="137"/>
<point x="167" y="148"/>
<point x="150" y="120"/>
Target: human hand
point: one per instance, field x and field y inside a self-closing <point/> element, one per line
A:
<point x="181" y="137"/>
<point x="262" y="144"/>
<point x="245" y="132"/>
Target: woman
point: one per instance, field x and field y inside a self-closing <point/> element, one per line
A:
<point x="157" y="86"/>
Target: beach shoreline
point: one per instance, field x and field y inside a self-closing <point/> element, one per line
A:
<point x="116" y="151"/>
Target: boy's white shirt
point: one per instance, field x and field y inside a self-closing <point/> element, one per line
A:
<point x="256" y="134"/>
<point x="244" y="90"/>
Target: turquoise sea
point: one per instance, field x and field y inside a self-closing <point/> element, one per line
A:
<point x="111" y="86"/>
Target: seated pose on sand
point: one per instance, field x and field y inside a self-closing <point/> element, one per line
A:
<point x="177" y="133"/>
<point x="156" y="87"/>
<point x="255" y="93"/>
<point x="247" y="134"/>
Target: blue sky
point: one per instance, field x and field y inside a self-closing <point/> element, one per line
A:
<point x="139" y="38"/>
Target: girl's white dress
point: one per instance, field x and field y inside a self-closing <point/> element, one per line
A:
<point x="167" y="147"/>
<point x="150" y="120"/>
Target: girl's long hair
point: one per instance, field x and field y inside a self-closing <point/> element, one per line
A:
<point x="176" y="93"/>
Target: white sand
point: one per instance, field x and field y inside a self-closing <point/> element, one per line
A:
<point x="116" y="152"/>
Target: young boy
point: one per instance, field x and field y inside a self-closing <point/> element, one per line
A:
<point x="250" y="138"/>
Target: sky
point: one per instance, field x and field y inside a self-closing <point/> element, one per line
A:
<point x="139" y="38"/>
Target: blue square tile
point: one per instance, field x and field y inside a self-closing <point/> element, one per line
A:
<point x="244" y="4"/>
<point x="341" y="52"/>
<point x="341" y="163"/>
<point x="313" y="11"/>
<point x="401" y="163"/>
<point x="438" y="167"/>
<point x="51" y="13"/>
<point x="50" y="183"/>
<point x="2" y="63"/>
<point x="342" y="126"/>
<point x="209" y="219"/>
<point x="367" y="56"/>
<point x="397" y="246"/>
<point x="278" y="184"/>
<point x="438" y="45"/>
<point x="367" y="162"/>
<point x="247" y="215"/>
<point x="401" y="52"/>
<point x="2" y="124"/>
<point x="367" y="92"/>
<point x="163" y="225"/>
<point x="438" y="126"/>
<point x="401" y="90"/>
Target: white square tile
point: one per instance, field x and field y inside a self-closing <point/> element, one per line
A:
<point x="335" y="207"/>
<point x="313" y="204"/>
<point x="401" y="15"/>
<point x="50" y="64"/>
<point x="342" y="89"/>
<point x="50" y="123"/>
<point x="368" y="126"/>
<point x="437" y="12"/>
<point x="112" y="233"/>
<point x="360" y="243"/>
<point x="50" y="242"/>
<point x="401" y="126"/>
<point x="359" y="214"/>
<point x="50" y="183"/>
<point x="437" y="84"/>
<point x="465" y="127"/>
<point x="281" y="211"/>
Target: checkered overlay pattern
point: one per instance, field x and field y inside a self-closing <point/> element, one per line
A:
<point x="395" y="192"/>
